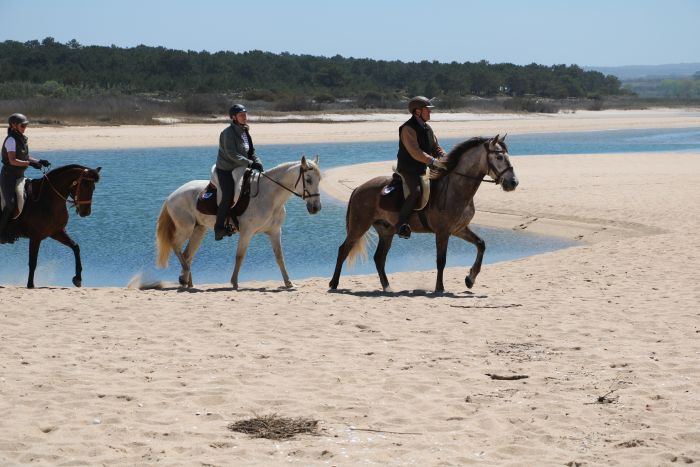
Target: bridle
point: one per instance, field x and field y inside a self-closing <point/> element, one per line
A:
<point x="499" y="175"/>
<point x="76" y="201"/>
<point x="305" y="192"/>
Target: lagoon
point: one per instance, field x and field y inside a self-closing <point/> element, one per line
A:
<point x="117" y="240"/>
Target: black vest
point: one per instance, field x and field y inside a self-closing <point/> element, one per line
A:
<point x="406" y="163"/>
<point x="21" y="152"/>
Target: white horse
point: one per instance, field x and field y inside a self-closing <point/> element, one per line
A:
<point x="180" y="220"/>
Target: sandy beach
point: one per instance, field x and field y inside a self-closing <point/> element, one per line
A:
<point x="607" y="333"/>
<point x="376" y="127"/>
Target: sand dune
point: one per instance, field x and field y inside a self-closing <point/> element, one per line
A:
<point x="607" y="333"/>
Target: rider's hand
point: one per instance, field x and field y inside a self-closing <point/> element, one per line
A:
<point x="257" y="166"/>
<point x="437" y="165"/>
<point x="35" y="165"/>
<point x="44" y="163"/>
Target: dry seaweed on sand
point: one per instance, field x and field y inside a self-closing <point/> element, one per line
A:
<point x="275" y="427"/>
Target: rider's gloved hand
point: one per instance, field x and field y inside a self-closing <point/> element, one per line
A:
<point x="35" y="165"/>
<point x="44" y="163"/>
<point x="257" y="166"/>
<point x="437" y="165"/>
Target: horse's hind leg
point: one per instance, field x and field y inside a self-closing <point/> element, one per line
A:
<point x="343" y="251"/>
<point x="474" y="239"/>
<point x="188" y="254"/>
<point x="383" y="247"/>
<point x="62" y="237"/>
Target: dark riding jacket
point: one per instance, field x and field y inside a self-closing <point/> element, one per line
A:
<point x="426" y="141"/>
<point x="21" y="153"/>
<point x="232" y="152"/>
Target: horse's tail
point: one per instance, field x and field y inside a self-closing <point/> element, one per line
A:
<point x="360" y="246"/>
<point x="165" y="230"/>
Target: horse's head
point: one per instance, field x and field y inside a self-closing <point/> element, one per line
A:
<point x="499" y="166"/>
<point x="310" y="176"/>
<point x="81" y="190"/>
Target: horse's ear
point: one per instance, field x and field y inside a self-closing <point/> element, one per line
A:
<point x="303" y="161"/>
<point x="504" y="138"/>
<point x="98" y="169"/>
<point x="316" y="159"/>
<point x="493" y="143"/>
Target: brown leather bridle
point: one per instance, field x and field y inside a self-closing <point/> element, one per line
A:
<point x="76" y="201"/>
<point x="499" y="175"/>
<point x="305" y="192"/>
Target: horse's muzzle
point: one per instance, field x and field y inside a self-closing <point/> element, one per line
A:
<point x="313" y="208"/>
<point x="509" y="183"/>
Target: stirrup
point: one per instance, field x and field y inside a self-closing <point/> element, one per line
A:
<point x="404" y="231"/>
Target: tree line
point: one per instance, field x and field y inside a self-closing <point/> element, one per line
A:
<point x="52" y="69"/>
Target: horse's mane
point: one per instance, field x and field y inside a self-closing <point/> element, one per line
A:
<point x="66" y="168"/>
<point x="456" y="153"/>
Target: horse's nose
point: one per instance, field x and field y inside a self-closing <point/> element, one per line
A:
<point x="510" y="184"/>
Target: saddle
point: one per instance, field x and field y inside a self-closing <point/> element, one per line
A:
<point x="210" y="197"/>
<point x="393" y="194"/>
<point x="23" y="189"/>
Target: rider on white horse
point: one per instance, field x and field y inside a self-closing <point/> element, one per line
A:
<point x="235" y="150"/>
<point x="15" y="160"/>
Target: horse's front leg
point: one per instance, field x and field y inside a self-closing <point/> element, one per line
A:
<point x="441" y="240"/>
<point x="63" y="238"/>
<point x="33" y="255"/>
<point x="474" y="239"/>
<point x="243" y="242"/>
<point x="276" y="240"/>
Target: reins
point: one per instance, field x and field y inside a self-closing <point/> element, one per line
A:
<point x="305" y="193"/>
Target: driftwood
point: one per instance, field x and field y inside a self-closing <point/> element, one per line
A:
<point x="506" y="377"/>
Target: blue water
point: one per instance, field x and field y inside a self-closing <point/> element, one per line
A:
<point x="117" y="240"/>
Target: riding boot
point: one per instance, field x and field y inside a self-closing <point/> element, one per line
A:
<point x="4" y="221"/>
<point x="404" y="230"/>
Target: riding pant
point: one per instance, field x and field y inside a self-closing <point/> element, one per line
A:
<point x="226" y="185"/>
<point x="412" y="181"/>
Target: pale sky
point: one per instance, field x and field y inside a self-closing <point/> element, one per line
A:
<point x="582" y="32"/>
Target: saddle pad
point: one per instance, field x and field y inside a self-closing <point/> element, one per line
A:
<point x="237" y="175"/>
<point x="424" y="190"/>
<point x="20" y="196"/>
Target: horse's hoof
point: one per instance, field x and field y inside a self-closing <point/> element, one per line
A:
<point x="30" y="286"/>
<point x="78" y="282"/>
<point x="469" y="282"/>
<point x="388" y="289"/>
<point x="234" y="286"/>
<point x="290" y="285"/>
<point x="333" y="285"/>
<point x="182" y="281"/>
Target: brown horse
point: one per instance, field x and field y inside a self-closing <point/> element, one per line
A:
<point x="449" y="210"/>
<point x="45" y="213"/>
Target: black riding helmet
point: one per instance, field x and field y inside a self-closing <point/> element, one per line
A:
<point x="236" y="109"/>
<point x="17" y="118"/>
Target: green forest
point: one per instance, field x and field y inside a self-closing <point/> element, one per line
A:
<point x="35" y="72"/>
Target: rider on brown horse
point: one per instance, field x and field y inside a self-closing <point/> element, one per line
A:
<point x="15" y="160"/>
<point x="418" y="149"/>
<point x="235" y="150"/>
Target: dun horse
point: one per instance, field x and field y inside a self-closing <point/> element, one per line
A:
<point x="449" y="210"/>
<point x="180" y="220"/>
<point x="45" y="213"/>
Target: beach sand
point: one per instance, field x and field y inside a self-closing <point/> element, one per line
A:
<point x="378" y="127"/>
<point x="606" y="332"/>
